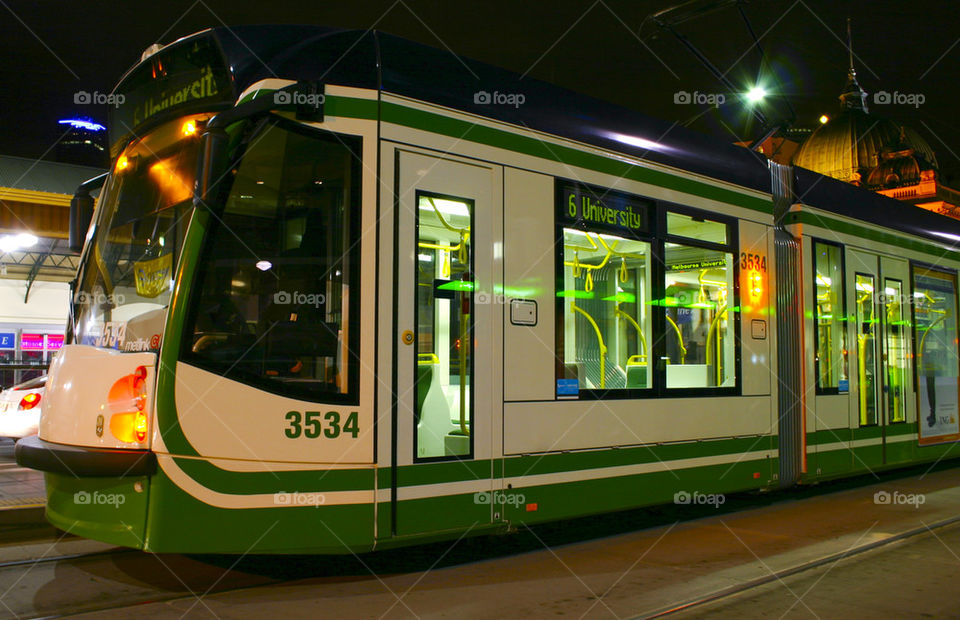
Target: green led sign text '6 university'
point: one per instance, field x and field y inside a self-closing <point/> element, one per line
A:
<point x="611" y="210"/>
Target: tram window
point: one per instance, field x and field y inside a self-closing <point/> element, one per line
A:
<point x="935" y="339"/>
<point x="699" y="306"/>
<point x="606" y="311"/>
<point x="681" y="225"/>
<point x="277" y="295"/>
<point x="867" y="322"/>
<point x="897" y="356"/>
<point x="444" y="326"/>
<point x="829" y="321"/>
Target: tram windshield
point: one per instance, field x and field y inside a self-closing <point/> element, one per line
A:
<point x="126" y="280"/>
<point x="276" y="297"/>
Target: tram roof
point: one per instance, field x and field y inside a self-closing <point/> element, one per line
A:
<point x="377" y="60"/>
<point x="829" y="194"/>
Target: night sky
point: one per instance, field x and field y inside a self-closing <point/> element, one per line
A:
<point x="51" y="50"/>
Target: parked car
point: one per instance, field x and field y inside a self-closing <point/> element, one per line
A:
<point x="20" y="408"/>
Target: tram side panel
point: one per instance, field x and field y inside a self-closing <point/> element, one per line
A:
<point x="876" y="301"/>
<point x="579" y="438"/>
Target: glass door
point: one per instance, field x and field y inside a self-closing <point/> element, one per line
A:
<point x="896" y="352"/>
<point x="447" y="392"/>
<point x="867" y="324"/>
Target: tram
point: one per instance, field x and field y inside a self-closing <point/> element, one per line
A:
<point x="344" y="292"/>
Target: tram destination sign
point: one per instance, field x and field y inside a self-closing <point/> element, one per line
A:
<point x="591" y="208"/>
<point x="188" y="77"/>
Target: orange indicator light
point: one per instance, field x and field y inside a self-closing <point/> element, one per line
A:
<point x="29" y="401"/>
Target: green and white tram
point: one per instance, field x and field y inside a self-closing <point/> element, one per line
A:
<point x="343" y="292"/>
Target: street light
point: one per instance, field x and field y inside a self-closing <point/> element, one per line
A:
<point x="756" y="94"/>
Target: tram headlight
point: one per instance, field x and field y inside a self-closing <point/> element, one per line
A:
<point x="128" y="400"/>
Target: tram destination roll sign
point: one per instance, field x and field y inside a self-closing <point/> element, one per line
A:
<point x="592" y="208"/>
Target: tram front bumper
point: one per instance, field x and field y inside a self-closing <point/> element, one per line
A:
<point x="82" y="461"/>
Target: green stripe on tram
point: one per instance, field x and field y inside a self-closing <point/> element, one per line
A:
<point x="465" y="130"/>
<point x="167" y="417"/>
<point x="836" y="435"/>
<point x="251" y="483"/>
<point x="259" y="482"/>
<point x="872" y="234"/>
<point x="537" y="464"/>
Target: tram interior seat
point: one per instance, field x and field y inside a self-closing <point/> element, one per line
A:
<point x="636" y="375"/>
<point x="434" y="420"/>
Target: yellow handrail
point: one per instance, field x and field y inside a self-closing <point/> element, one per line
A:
<point x="578" y="264"/>
<point x="603" y="347"/>
<point x="613" y="250"/>
<point x="427" y="358"/>
<point x="460" y="231"/>
<point x="643" y="339"/>
<point x="721" y="312"/>
<point x="463" y="232"/>
<point x="439" y="246"/>
<point x="683" y="349"/>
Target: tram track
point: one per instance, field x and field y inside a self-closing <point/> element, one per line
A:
<point x="65" y="557"/>
<point x="780" y="575"/>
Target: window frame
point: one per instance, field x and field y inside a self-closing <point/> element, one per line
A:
<point x="353" y="254"/>
<point x="877" y="366"/>
<point x="818" y="389"/>
<point x="656" y="236"/>
<point x="732" y="247"/>
<point x="418" y="194"/>
<point x="886" y="353"/>
<point x="646" y="237"/>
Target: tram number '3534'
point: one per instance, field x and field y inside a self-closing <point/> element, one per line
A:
<point x="753" y="261"/>
<point x="313" y="424"/>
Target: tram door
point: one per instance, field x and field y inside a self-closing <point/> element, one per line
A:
<point x="448" y="400"/>
<point x="879" y="305"/>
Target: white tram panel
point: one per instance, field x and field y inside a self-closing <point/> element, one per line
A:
<point x="227" y="419"/>
<point x="530" y="264"/>
<point x="757" y="333"/>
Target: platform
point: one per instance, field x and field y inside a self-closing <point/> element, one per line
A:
<point x="21" y="489"/>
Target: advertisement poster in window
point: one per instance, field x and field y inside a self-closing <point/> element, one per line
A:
<point x="935" y="336"/>
<point x="937" y="415"/>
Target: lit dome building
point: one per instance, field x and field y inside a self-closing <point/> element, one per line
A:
<point x="877" y="154"/>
